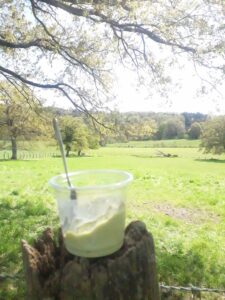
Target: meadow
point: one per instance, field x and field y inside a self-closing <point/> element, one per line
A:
<point x="180" y="199"/>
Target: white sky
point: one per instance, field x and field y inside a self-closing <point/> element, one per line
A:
<point x="182" y="99"/>
<point x="130" y="97"/>
<point x="133" y="98"/>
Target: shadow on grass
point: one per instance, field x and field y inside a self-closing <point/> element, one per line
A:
<point x="189" y="268"/>
<point x="19" y="160"/>
<point x="212" y="160"/>
<point x="143" y="156"/>
<point x="20" y="221"/>
<point x="72" y="156"/>
<point x="152" y="156"/>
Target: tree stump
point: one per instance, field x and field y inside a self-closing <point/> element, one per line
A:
<point x="129" y="274"/>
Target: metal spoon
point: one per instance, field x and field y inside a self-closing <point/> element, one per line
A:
<point x="73" y="195"/>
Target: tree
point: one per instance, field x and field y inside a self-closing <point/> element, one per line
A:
<point x="93" y="140"/>
<point x="190" y="118"/>
<point x="77" y="40"/>
<point x="68" y="136"/>
<point x="213" y="135"/>
<point x="20" y="115"/>
<point x="76" y="136"/>
<point x="106" y="133"/>
<point x="122" y="127"/>
<point x="195" y="131"/>
<point x="135" y="126"/>
<point x="171" y="128"/>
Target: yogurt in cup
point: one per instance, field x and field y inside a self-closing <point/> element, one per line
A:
<point x="93" y="224"/>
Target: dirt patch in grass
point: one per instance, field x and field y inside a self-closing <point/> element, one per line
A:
<point x="187" y="215"/>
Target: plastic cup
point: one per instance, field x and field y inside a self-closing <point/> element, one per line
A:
<point x="93" y="224"/>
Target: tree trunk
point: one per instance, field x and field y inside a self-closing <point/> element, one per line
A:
<point x="129" y="274"/>
<point x="79" y="152"/>
<point x="68" y="149"/>
<point x="14" y="148"/>
<point x="67" y="152"/>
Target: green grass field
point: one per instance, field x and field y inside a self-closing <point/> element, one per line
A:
<point x="179" y="143"/>
<point x="181" y="200"/>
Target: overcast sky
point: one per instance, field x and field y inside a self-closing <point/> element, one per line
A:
<point x="184" y="98"/>
<point x="131" y="97"/>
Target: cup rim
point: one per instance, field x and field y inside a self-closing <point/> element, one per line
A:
<point x="128" y="177"/>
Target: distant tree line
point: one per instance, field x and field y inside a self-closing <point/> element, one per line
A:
<point x="25" y="118"/>
<point x="149" y="126"/>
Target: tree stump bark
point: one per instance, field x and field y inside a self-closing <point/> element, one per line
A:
<point x="129" y="274"/>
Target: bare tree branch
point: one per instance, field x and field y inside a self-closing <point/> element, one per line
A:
<point x="127" y="27"/>
<point x="83" y="53"/>
<point x="24" y="45"/>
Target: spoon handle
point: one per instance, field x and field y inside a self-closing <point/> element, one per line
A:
<point x="60" y="142"/>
